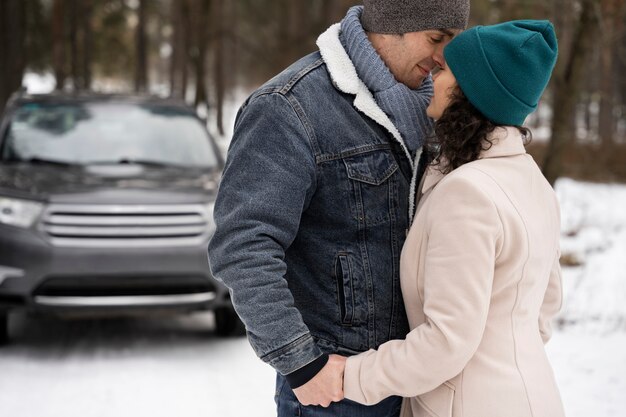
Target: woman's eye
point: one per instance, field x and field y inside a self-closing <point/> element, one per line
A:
<point x="436" y="71"/>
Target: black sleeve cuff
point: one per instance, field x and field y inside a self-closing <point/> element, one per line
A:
<point x="307" y="372"/>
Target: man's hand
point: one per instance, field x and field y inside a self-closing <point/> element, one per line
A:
<point x="325" y="387"/>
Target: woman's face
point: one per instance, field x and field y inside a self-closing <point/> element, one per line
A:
<point x="444" y="84"/>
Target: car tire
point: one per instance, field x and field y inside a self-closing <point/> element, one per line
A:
<point x="4" y="328"/>
<point x="228" y="323"/>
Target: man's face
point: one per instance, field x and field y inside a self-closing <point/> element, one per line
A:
<point x="412" y="56"/>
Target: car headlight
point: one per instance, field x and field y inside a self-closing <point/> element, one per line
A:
<point x="20" y="213"/>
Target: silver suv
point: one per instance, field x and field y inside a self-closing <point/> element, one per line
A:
<point x="106" y="206"/>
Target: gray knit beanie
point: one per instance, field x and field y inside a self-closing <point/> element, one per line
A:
<point x="403" y="16"/>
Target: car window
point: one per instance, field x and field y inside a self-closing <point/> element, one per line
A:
<point x="107" y="133"/>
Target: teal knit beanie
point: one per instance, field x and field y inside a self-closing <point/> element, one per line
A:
<point x="503" y="69"/>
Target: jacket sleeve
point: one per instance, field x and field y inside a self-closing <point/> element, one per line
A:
<point x="553" y="298"/>
<point x="464" y="237"/>
<point x="268" y="181"/>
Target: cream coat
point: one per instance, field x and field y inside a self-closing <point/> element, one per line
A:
<point x="481" y="281"/>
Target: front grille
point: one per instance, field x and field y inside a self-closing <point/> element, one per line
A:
<point x="126" y="225"/>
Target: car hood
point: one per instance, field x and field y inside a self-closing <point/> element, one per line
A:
<point x="123" y="183"/>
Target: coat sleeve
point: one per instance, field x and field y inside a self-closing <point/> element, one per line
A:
<point x="268" y="181"/>
<point x="464" y="236"/>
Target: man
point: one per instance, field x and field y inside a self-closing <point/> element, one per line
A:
<point x="317" y="196"/>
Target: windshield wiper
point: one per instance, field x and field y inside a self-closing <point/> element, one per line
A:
<point x="130" y="161"/>
<point x="41" y="161"/>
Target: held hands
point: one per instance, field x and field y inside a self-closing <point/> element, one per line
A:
<point x="325" y="387"/>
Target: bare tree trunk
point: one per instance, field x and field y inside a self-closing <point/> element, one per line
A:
<point x="563" y="13"/>
<point x="87" y="42"/>
<point x="605" y="128"/>
<point x="74" y="59"/>
<point x="161" y="68"/>
<point x="176" y="42"/>
<point x="284" y="43"/>
<point x="621" y="64"/>
<point x="4" y="58"/>
<point x="299" y="24"/>
<point x="218" y="63"/>
<point x="567" y="88"/>
<point x="585" y="116"/>
<point x="12" y="56"/>
<point x="186" y="46"/>
<point x="291" y="26"/>
<point x="233" y="38"/>
<point x="201" y="19"/>
<point x="141" y="65"/>
<point x="58" y="39"/>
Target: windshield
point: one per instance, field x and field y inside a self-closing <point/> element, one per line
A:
<point x="92" y="133"/>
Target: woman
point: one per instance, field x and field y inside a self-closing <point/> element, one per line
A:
<point x="480" y="266"/>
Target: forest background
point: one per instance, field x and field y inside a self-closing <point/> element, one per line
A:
<point x="208" y="52"/>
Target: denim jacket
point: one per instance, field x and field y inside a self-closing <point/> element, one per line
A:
<point x="312" y="212"/>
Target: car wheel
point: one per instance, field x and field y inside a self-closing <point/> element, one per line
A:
<point x="4" y="328"/>
<point x="227" y="323"/>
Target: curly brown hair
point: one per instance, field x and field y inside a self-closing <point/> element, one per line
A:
<point x="461" y="133"/>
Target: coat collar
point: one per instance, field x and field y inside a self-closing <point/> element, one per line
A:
<point x="507" y="141"/>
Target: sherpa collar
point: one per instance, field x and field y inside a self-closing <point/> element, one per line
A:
<point x="344" y="76"/>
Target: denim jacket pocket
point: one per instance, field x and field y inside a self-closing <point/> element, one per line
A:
<point x="345" y="288"/>
<point x="372" y="193"/>
<point x="372" y="168"/>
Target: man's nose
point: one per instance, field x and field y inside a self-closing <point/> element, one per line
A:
<point x="438" y="57"/>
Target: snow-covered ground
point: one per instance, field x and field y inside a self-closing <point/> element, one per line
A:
<point x="161" y="367"/>
<point x="588" y="350"/>
<point x="594" y="236"/>
<point x="176" y="367"/>
<point x="590" y="371"/>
